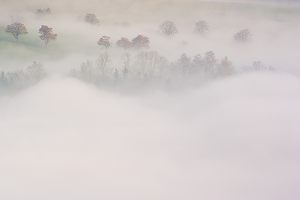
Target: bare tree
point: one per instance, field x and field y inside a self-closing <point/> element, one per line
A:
<point x="243" y="35"/>
<point x="91" y="18"/>
<point x="168" y="28"/>
<point x="104" y="42"/>
<point x="47" y="34"/>
<point x="201" y="27"/>
<point x="16" y="29"/>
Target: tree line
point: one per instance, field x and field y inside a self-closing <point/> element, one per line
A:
<point x="149" y="67"/>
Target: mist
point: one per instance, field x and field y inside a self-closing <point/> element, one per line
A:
<point x="206" y="108"/>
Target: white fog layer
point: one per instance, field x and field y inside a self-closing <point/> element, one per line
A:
<point x="149" y="100"/>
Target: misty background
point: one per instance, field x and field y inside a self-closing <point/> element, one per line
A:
<point x="66" y="136"/>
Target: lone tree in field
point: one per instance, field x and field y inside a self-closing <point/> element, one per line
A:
<point x="16" y="29"/>
<point x="104" y="42"/>
<point x="140" y="42"/>
<point x="201" y="27"/>
<point x="91" y="19"/>
<point x="47" y="34"/>
<point x="124" y="43"/>
<point x="243" y="35"/>
<point x="168" y="28"/>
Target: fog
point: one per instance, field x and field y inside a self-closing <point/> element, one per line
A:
<point x="209" y="113"/>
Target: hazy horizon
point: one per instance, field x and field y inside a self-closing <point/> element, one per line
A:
<point x="207" y="109"/>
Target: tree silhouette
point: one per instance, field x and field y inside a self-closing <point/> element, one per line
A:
<point x="201" y="27"/>
<point x="47" y="34"/>
<point x="104" y="42"/>
<point x="124" y="43"/>
<point x="168" y="28"/>
<point x="140" y="42"/>
<point x="243" y="35"/>
<point x="16" y="29"/>
<point x="91" y="18"/>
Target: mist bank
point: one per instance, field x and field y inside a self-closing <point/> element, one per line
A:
<point x="203" y="112"/>
<point x="143" y="10"/>
<point x="231" y="139"/>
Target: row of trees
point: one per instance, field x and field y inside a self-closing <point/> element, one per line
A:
<point x="17" y="29"/>
<point x="22" y="78"/>
<point x="168" y="28"/>
<point x="148" y="67"/>
<point x="138" y="42"/>
<point x="141" y="69"/>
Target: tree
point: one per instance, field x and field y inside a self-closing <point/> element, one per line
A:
<point x="91" y="19"/>
<point x="226" y="67"/>
<point x="243" y="35"/>
<point x="168" y="28"/>
<point x="45" y="11"/>
<point x="104" y="42"/>
<point x="36" y="71"/>
<point x="184" y="63"/>
<point x="124" y="43"/>
<point x="150" y="62"/>
<point x="201" y="27"/>
<point x="209" y="62"/>
<point x="197" y="63"/>
<point x="16" y="29"/>
<point x="103" y="67"/>
<point x="47" y="34"/>
<point x="140" y="42"/>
